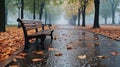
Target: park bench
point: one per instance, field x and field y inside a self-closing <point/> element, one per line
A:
<point x="39" y="31"/>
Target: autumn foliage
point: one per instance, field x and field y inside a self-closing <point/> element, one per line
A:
<point x="10" y="41"/>
<point x="112" y="31"/>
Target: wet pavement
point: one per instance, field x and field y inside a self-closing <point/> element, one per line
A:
<point x="73" y="47"/>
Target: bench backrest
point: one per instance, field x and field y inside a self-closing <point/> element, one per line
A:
<point x="30" y="25"/>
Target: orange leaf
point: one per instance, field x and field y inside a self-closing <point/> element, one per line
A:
<point x="37" y="59"/>
<point x="58" y="54"/>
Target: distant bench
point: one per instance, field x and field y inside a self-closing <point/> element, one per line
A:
<point x="39" y="31"/>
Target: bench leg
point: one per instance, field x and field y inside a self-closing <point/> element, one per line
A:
<point x="51" y="35"/>
<point x="42" y="41"/>
<point x="26" y="46"/>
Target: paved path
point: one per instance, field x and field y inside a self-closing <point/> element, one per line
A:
<point x="73" y="47"/>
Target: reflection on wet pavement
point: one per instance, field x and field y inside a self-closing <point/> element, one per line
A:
<point x="73" y="47"/>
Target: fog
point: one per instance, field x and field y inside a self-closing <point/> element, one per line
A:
<point x="60" y="18"/>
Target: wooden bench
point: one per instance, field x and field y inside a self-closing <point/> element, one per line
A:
<point x="39" y="31"/>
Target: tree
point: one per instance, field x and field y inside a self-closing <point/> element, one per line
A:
<point x="84" y="5"/>
<point x="96" y="16"/>
<point x="2" y="16"/>
<point x="105" y="10"/>
<point x="84" y="12"/>
<point x="114" y="4"/>
<point x="79" y="12"/>
<point x="39" y="6"/>
<point x="22" y="9"/>
<point x="8" y="4"/>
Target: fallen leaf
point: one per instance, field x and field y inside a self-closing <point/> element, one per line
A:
<point x="114" y="53"/>
<point x="37" y="59"/>
<point x="22" y="54"/>
<point x="52" y="49"/>
<point x="55" y="37"/>
<point x="15" y="60"/>
<point x="14" y="66"/>
<point x="58" y="54"/>
<point x="19" y="57"/>
<point x="82" y="56"/>
<point x="102" y="56"/>
<point x="40" y="52"/>
<point x="97" y="43"/>
<point x="69" y="47"/>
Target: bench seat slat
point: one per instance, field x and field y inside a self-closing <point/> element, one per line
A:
<point x="31" y="28"/>
<point x="30" y="25"/>
<point x="31" y="21"/>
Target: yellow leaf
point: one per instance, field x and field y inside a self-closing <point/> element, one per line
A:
<point x="82" y="56"/>
<point x="102" y="56"/>
<point x="20" y="57"/>
<point x="58" y="54"/>
<point x="14" y="66"/>
<point x="37" y="59"/>
<point x="40" y="52"/>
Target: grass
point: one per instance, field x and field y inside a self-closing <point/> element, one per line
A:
<point x="11" y="26"/>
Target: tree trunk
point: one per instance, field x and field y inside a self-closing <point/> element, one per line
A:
<point x="6" y="15"/>
<point x="22" y="9"/>
<point x="105" y="20"/>
<point x="45" y="16"/>
<point x="113" y="8"/>
<point x="96" y="16"/>
<point x="113" y="16"/>
<point x="78" y="16"/>
<point x="83" y="16"/>
<point x="74" y="19"/>
<point x="49" y="17"/>
<point x="34" y="9"/>
<point x="41" y="10"/>
<point x="2" y="16"/>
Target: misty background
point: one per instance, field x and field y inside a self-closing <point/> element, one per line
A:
<point x="61" y="14"/>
